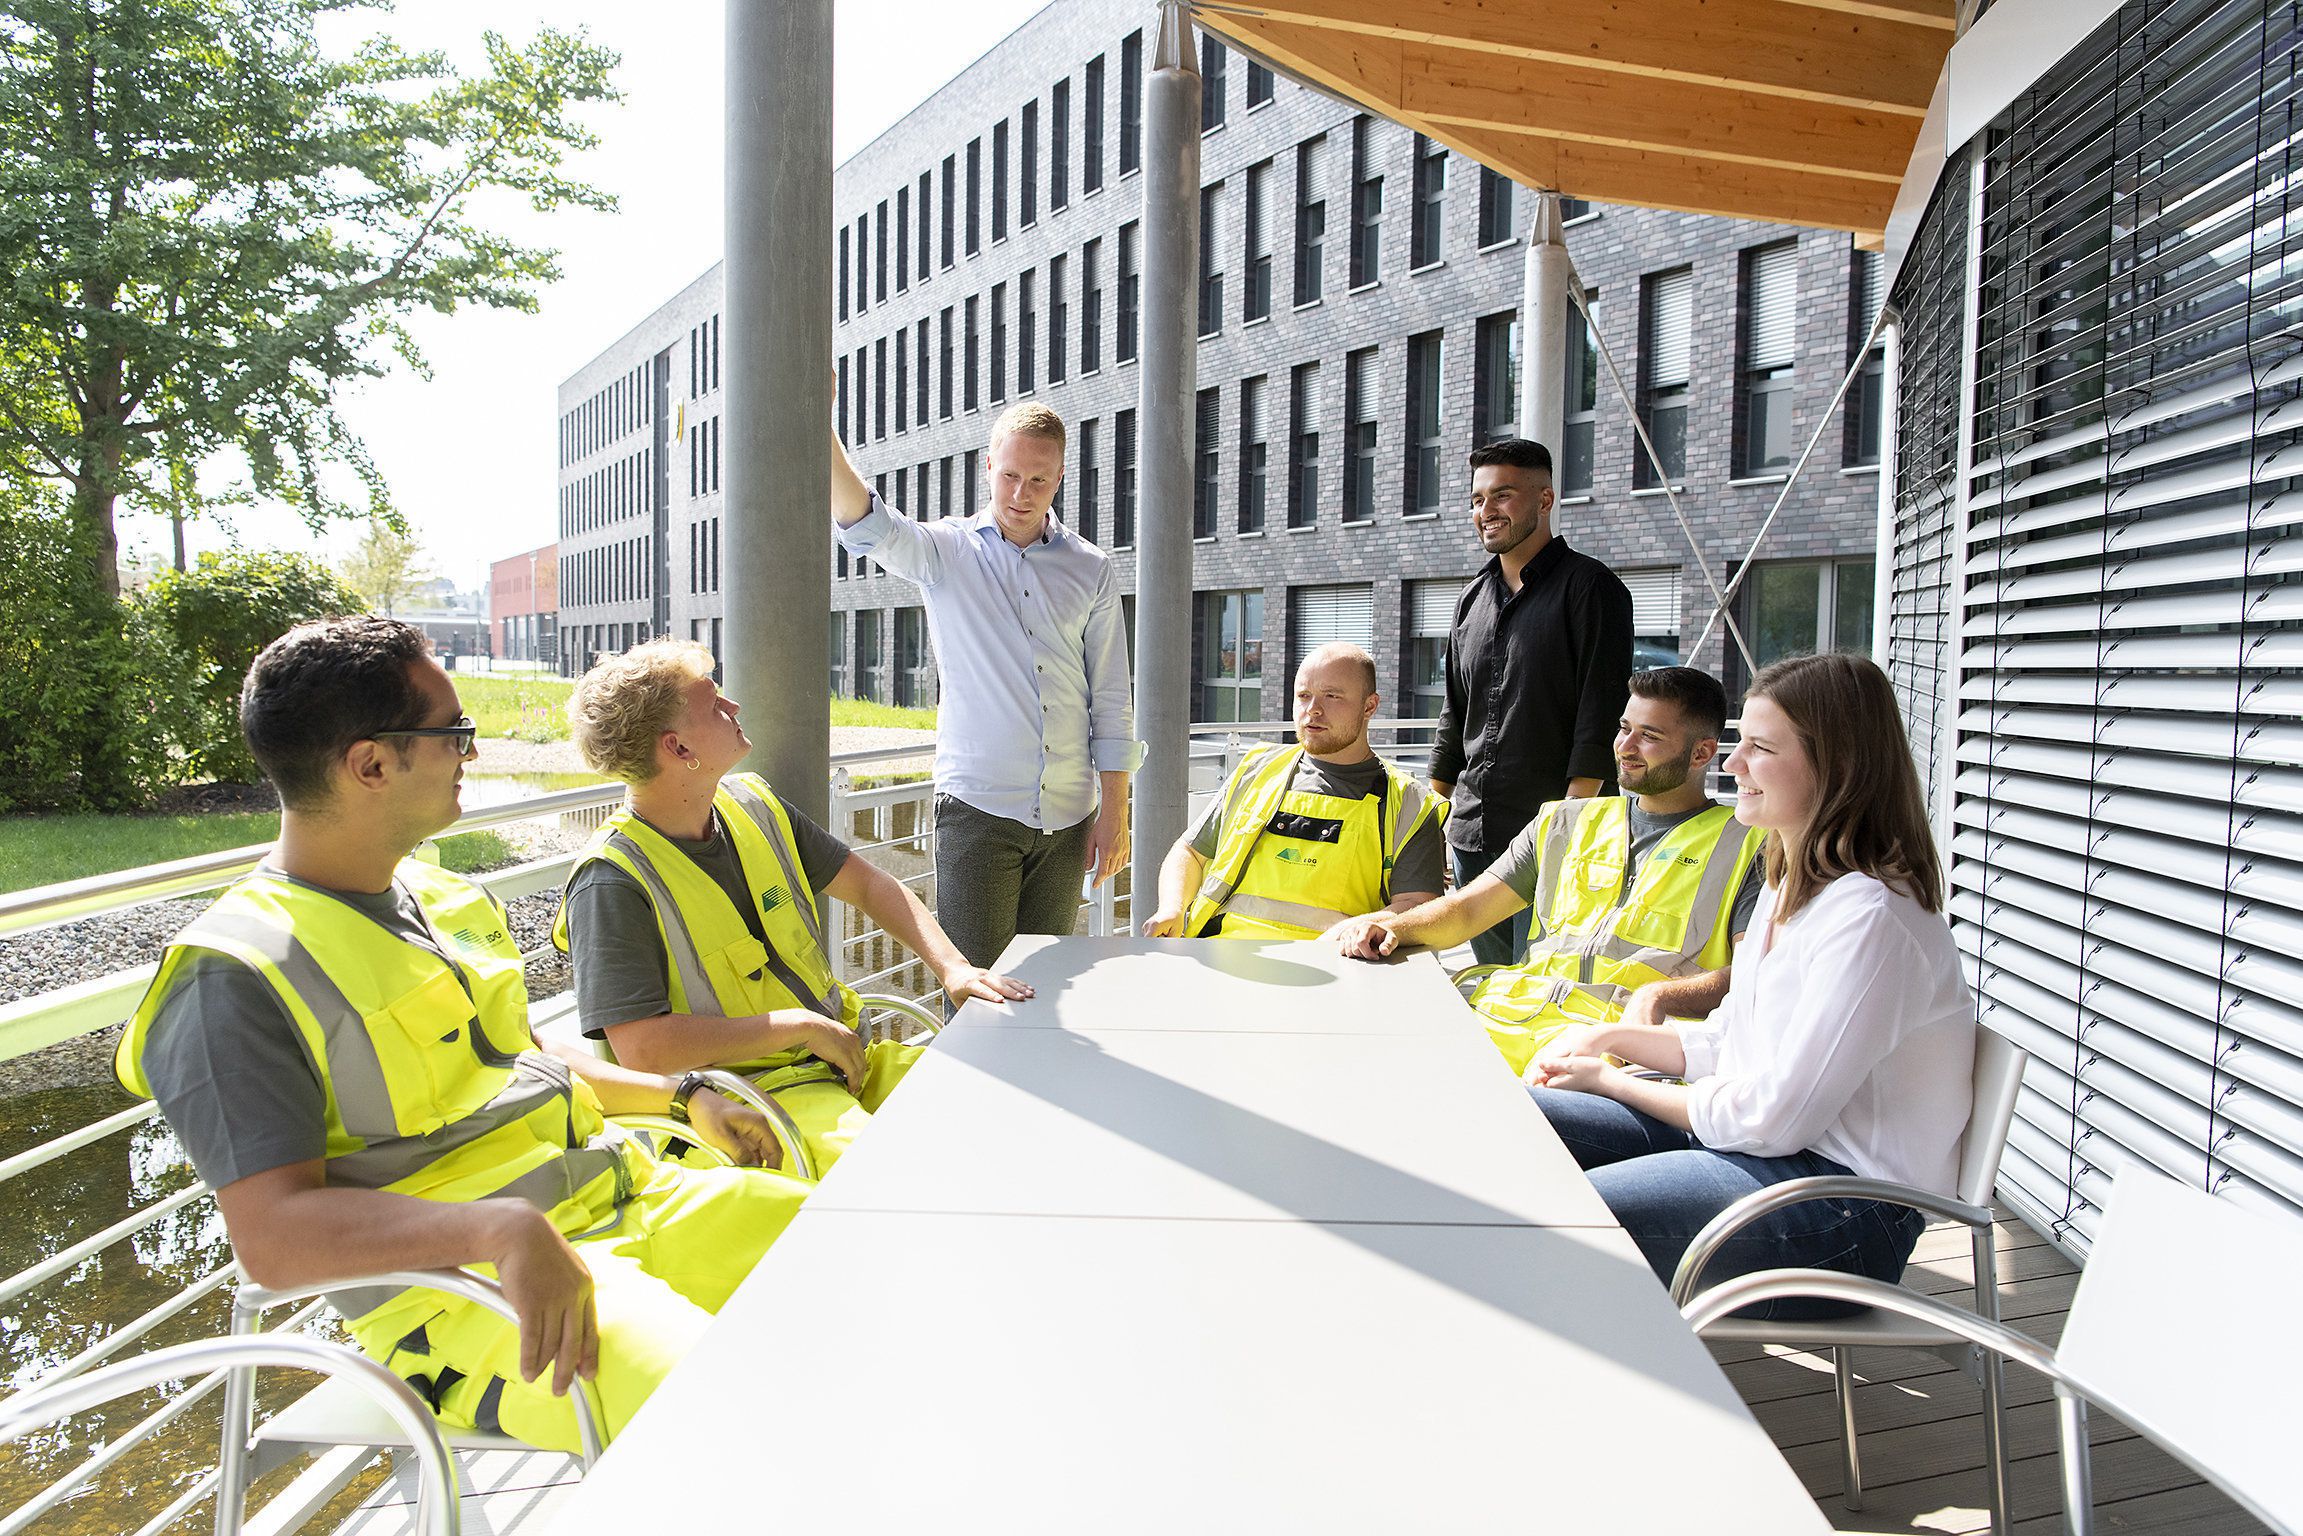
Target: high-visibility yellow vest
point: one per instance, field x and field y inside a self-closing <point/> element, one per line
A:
<point x="716" y="966"/>
<point x="1291" y="863"/>
<point x="1600" y="941"/>
<point x="434" y="1085"/>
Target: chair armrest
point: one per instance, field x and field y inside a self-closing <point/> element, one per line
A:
<point x="480" y="1291"/>
<point x="731" y="1085"/>
<point x="1858" y="1290"/>
<point x="880" y="1002"/>
<point x="1468" y="979"/>
<point x="1775" y="1197"/>
<point x="674" y="1130"/>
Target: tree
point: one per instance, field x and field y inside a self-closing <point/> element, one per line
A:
<point x="219" y="615"/>
<point x="387" y="565"/>
<point x="207" y="225"/>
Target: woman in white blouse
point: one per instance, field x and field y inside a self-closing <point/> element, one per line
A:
<point x="1847" y="1039"/>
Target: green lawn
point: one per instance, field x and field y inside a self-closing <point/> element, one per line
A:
<point x="864" y="712"/>
<point x="42" y="850"/>
<point x="536" y="708"/>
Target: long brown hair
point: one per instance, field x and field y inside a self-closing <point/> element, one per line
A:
<point x="1870" y="817"/>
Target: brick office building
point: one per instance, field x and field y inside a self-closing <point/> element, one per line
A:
<point x="1359" y="298"/>
<point x="524" y="605"/>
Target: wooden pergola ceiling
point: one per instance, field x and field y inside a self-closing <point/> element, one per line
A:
<point x="1792" y="111"/>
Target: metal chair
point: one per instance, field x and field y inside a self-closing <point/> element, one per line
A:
<point x="2211" y="1398"/>
<point x="332" y="1415"/>
<point x="385" y="1396"/>
<point x="1468" y="979"/>
<point x="1998" y="1075"/>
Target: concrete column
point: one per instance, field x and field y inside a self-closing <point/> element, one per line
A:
<point x="1170" y="380"/>
<point x="1543" y="311"/>
<point x="777" y="350"/>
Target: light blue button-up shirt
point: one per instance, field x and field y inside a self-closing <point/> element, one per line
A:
<point x="1034" y="660"/>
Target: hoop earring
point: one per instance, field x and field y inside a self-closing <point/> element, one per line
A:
<point x="694" y="763"/>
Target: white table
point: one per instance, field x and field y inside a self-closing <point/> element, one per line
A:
<point x="1208" y="1237"/>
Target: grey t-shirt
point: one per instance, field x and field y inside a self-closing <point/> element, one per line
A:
<point x="1519" y="866"/>
<point x="1421" y="863"/>
<point x="229" y="1067"/>
<point x="622" y="972"/>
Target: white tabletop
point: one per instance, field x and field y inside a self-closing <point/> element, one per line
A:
<point x="1218" y="1125"/>
<point x="911" y="1373"/>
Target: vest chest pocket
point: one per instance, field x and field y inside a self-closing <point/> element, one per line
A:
<point x="1651" y="926"/>
<point x="737" y="974"/>
<point x="423" y="1043"/>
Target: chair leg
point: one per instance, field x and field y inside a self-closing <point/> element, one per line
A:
<point x="2078" y="1472"/>
<point x="239" y="1424"/>
<point x="1995" y="1437"/>
<point x="1843" y="1381"/>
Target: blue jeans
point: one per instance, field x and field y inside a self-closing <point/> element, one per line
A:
<point x="1664" y="1185"/>
<point x="1506" y="941"/>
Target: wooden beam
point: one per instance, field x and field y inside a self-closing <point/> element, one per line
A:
<point x="1940" y="14"/>
<point x="1461" y="88"/>
<point x="1805" y="52"/>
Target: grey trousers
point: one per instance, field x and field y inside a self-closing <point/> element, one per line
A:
<point x="996" y="878"/>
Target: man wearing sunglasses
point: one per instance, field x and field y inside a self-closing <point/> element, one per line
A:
<point x="341" y="1043"/>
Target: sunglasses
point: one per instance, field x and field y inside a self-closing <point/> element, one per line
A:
<point x="464" y="731"/>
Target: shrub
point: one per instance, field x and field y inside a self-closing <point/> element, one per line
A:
<point x="220" y="614"/>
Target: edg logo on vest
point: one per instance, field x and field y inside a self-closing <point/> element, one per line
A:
<point x="1297" y="857"/>
<point x="773" y="897"/>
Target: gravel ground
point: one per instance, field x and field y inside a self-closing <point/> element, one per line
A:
<point x="50" y="958"/>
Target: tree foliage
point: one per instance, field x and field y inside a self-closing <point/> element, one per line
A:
<point x="386" y="566"/>
<point x="207" y="225"/>
<point x="217" y="616"/>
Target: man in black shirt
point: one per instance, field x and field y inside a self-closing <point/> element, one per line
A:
<point x="1538" y="666"/>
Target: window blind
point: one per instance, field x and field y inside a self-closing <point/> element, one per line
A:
<point x="1772" y="308"/>
<point x="1654" y="600"/>
<point x="1670" y="320"/>
<point x="1317" y="615"/>
<point x="1431" y="606"/>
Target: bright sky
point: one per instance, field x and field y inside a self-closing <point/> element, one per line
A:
<point x="469" y="454"/>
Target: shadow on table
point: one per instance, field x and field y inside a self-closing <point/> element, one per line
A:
<point x="1188" y="1126"/>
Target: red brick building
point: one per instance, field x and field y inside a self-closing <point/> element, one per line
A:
<point x="524" y="605"/>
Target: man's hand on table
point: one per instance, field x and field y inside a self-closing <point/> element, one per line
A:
<point x="1167" y="923"/>
<point x="965" y="981"/>
<point x="551" y="1291"/>
<point x="740" y="1131"/>
<point x="1363" y="938"/>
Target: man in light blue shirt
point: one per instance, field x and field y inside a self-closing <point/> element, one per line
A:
<point x="1036" y="736"/>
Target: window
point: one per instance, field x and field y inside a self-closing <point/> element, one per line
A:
<point x="1227" y="655"/>
<point x="951" y="194"/>
<point x="1667" y="313"/>
<point x="999" y="342"/>
<point x="926" y="219"/>
<point x="1574" y="208"/>
<point x="1090" y="476"/>
<point x="968" y="357"/>
<point x="863" y="261"/>
<point x="1866" y="397"/>
<point x="1129" y="292"/>
<point x="944" y="365"/>
<point x="1581" y="413"/>
<point x="842" y="290"/>
<point x="1366" y="205"/>
<point x="1423" y="660"/>
<point x="1795" y="608"/>
<point x="1310" y="219"/>
<point x="1060" y="146"/>
<point x="1124" y="480"/>
<point x="863" y="376"/>
<point x="1319" y="615"/>
<point x="880" y="255"/>
<point x="903" y="239"/>
<point x="1254" y="453"/>
<point x="1770" y="354"/>
<point x="880" y="388"/>
<point x="1000" y="180"/>
<point x="1257" y="220"/>
<point x="1207" y="465"/>
<point x="1059" y="319"/>
<point x="1027" y="333"/>
<point x="1495" y="211"/>
<point x="1210" y="260"/>
<point x="975" y="195"/>
<point x="837" y="649"/>
<point x="1303" y="446"/>
<point x="839" y="417"/>
<point x="1423" y="247"/>
<point x="1092" y="128"/>
<point x="913" y="675"/>
<point x="1028" y="169"/>
<point x="1495" y="378"/>
<point x="1131" y="102"/>
<point x="1259" y="85"/>
<point x="1091" y="307"/>
<point x="1421" y="490"/>
<point x="920" y="374"/>
<point x="1654" y="616"/>
<point x="1212" y="55"/>
<point x="968" y="482"/>
<point x="903" y="376"/>
<point x="867" y="653"/>
<point x="1359" y="436"/>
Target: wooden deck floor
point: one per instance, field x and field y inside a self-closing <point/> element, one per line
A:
<point x="1919" y="1415"/>
<point x="1922" y="1429"/>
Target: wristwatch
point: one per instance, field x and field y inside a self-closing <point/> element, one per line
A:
<point x="685" y="1090"/>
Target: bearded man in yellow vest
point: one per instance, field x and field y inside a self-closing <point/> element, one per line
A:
<point x="695" y="917"/>
<point x="1639" y="898"/>
<point x="341" y="1043"/>
<point x="1303" y="837"/>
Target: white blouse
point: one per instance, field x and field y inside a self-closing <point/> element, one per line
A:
<point x="1847" y="1031"/>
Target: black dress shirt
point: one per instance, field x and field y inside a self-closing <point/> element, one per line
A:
<point x="1536" y="683"/>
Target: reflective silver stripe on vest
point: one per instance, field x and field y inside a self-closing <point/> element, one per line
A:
<point x="1219" y="891"/>
<point x="1265" y="909"/>
<point x="1411" y="805"/>
<point x="694" y="984"/>
<point x="537" y="1081"/>
<point x="803" y="895"/>
<point x="1554" y="856"/>
<point x="1702" y="921"/>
